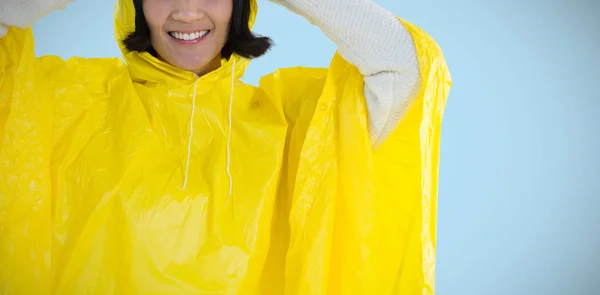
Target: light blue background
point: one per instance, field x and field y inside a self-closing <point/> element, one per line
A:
<point x="519" y="209"/>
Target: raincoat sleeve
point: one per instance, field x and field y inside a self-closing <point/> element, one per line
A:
<point x="25" y="139"/>
<point x="25" y="181"/>
<point x="48" y="107"/>
<point x="358" y="220"/>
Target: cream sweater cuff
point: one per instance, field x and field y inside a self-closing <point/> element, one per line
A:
<point x="368" y="36"/>
<point x="3" y="30"/>
<point x="377" y="43"/>
<point x="23" y="13"/>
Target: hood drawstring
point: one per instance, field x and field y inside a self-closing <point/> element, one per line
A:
<point x="189" y="147"/>
<point x="229" y="125"/>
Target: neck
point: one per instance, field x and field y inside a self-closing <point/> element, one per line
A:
<point x="214" y="64"/>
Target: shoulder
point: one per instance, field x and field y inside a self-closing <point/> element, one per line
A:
<point x="79" y="83"/>
<point x="294" y="87"/>
<point x="80" y="88"/>
<point x="297" y="73"/>
<point x="80" y="69"/>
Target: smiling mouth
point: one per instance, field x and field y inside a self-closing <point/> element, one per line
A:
<point x="193" y="36"/>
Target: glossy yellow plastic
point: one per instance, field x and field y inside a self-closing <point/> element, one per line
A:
<point x="92" y="161"/>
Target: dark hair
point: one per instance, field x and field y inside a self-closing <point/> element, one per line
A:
<point x="241" y="40"/>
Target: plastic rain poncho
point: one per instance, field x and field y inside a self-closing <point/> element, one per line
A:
<point x="136" y="177"/>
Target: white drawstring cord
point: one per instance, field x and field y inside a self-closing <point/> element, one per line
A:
<point x="189" y="148"/>
<point x="229" y="131"/>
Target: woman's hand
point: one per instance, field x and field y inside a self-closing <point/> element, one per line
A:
<point x="23" y="13"/>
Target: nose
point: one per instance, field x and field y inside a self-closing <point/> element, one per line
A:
<point x="188" y="11"/>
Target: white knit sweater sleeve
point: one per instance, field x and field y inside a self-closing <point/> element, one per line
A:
<point x="23" y="13"/>
<point x="377" y="43"/>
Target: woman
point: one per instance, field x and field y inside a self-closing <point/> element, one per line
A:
<point x="167" y="175"/>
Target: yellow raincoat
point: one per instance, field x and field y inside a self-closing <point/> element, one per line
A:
<point x="94" y="154"/>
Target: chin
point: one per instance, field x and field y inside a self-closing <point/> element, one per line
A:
<point x="191" y="67"/>
<point x="198" y="65"/>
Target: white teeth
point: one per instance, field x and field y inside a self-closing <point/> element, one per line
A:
<point x="188" y="37"/>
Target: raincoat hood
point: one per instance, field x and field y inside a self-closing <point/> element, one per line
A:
<point x="145" y="67"/>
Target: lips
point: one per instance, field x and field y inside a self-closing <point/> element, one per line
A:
<point x="188" y="36"/>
